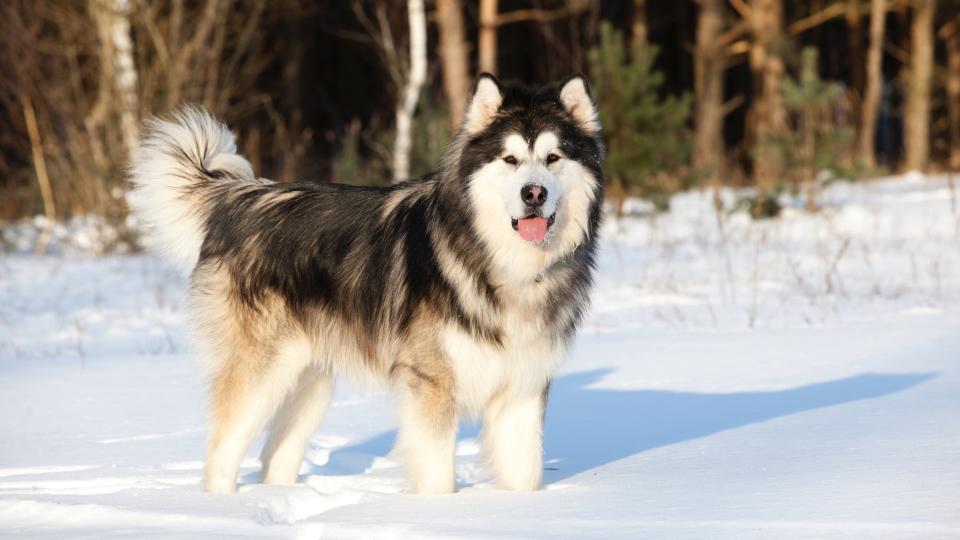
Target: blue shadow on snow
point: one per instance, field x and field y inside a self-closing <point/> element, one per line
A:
<point x="589" y="427"/>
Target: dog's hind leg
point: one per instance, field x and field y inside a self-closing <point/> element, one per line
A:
<point x="512" y="439"/>
<point x="245" y="394"/>
<point x="294" y="424"/>
<point x="428" y="427"/>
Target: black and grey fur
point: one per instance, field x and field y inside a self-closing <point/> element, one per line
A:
<point x="426" y="285"/>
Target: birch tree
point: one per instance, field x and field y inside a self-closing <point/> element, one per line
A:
<point x="407" y="103"/>
<point x="113" y="23"/>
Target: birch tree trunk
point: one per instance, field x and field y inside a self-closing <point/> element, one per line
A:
<point x="872" y="86"/>
<point x="115" y="15"/>
<point x="113" y="20"/>
<point x="126" y="73"/>
<point x="708" y="90"/>
<point x="407" y="103"/>
<point x="916" y="114"/>
<point x="767" y="67"/>
<point x="487" y="50"/>
<point x="453" y="54"/>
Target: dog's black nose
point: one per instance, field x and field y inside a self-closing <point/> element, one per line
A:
<point x="533" y="195"/>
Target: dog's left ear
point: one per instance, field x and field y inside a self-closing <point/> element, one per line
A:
<point x="576" y="99"/>
<point x="485" y="100"/>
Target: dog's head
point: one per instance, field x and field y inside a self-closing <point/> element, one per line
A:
<point x="529" y="162"/>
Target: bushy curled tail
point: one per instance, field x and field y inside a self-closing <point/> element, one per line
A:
<point x="181" y="165"/>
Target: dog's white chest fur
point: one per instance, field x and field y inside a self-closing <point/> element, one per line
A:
<point x="522" y="365"/>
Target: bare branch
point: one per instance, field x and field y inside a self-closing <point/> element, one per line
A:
<point x="542" y="15"/>
<point x="732" y="34"/>
<point x="816" y="19"/>
<point x="742" y="8"/>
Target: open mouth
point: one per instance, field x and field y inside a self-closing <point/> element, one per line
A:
<point x="533" y="228"/>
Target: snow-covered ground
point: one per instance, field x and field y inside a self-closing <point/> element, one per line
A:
<point x="795" y="378"/>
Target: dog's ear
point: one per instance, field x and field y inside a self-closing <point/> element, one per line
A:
<point x="576" y="99"/>
<point x="484" y="102"/>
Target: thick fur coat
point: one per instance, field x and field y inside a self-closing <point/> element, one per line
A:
<point x="461" y="290"/>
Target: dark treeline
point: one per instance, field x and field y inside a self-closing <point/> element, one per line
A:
<point x="742" y="92"/>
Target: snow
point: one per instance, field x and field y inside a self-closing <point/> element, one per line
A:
<point x="86" y="234"/>
<point x="792" y="378"/>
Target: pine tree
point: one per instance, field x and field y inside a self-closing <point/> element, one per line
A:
<point x="645" y="133"/>
<point x="816" y="142"/>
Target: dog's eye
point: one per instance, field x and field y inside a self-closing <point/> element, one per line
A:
<point x="552" y="158"/>
<point x="510" y="160"/>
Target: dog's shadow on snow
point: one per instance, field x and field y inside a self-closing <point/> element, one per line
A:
<point x="588" y="427"/>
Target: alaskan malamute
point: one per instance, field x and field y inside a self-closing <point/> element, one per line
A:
<point x="461" y="290"/>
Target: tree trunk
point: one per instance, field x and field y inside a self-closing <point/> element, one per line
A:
<point x="808" y="131"/>
<point x="708" y="88"/>
<point x="639" y="32"/>
<point x="953" y="95"/>
<point x="487" y="52"/>
<point x="126" y="73"/>
<point x="767" y="67"/>
<point x="112" y="18"/>
<point x="855" y="44"/>
<point x="411" y="91"/>
<point x="870" y="105"/>
<point x="40" y="167"/>
<point x="453" y="54"/>
<point x="916" y="115"/>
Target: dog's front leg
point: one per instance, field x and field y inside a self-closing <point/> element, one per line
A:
<point x="513" y="439"/>
<point x="428" y="429"/>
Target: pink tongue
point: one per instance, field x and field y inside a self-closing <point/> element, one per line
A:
<point x="532" y="229"/>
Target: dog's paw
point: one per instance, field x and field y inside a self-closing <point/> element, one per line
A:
<point x="519" y="483"/>
<point x="435" y="486"/>
<point x="434" y="490"/>
<point x="219" y="486"/>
